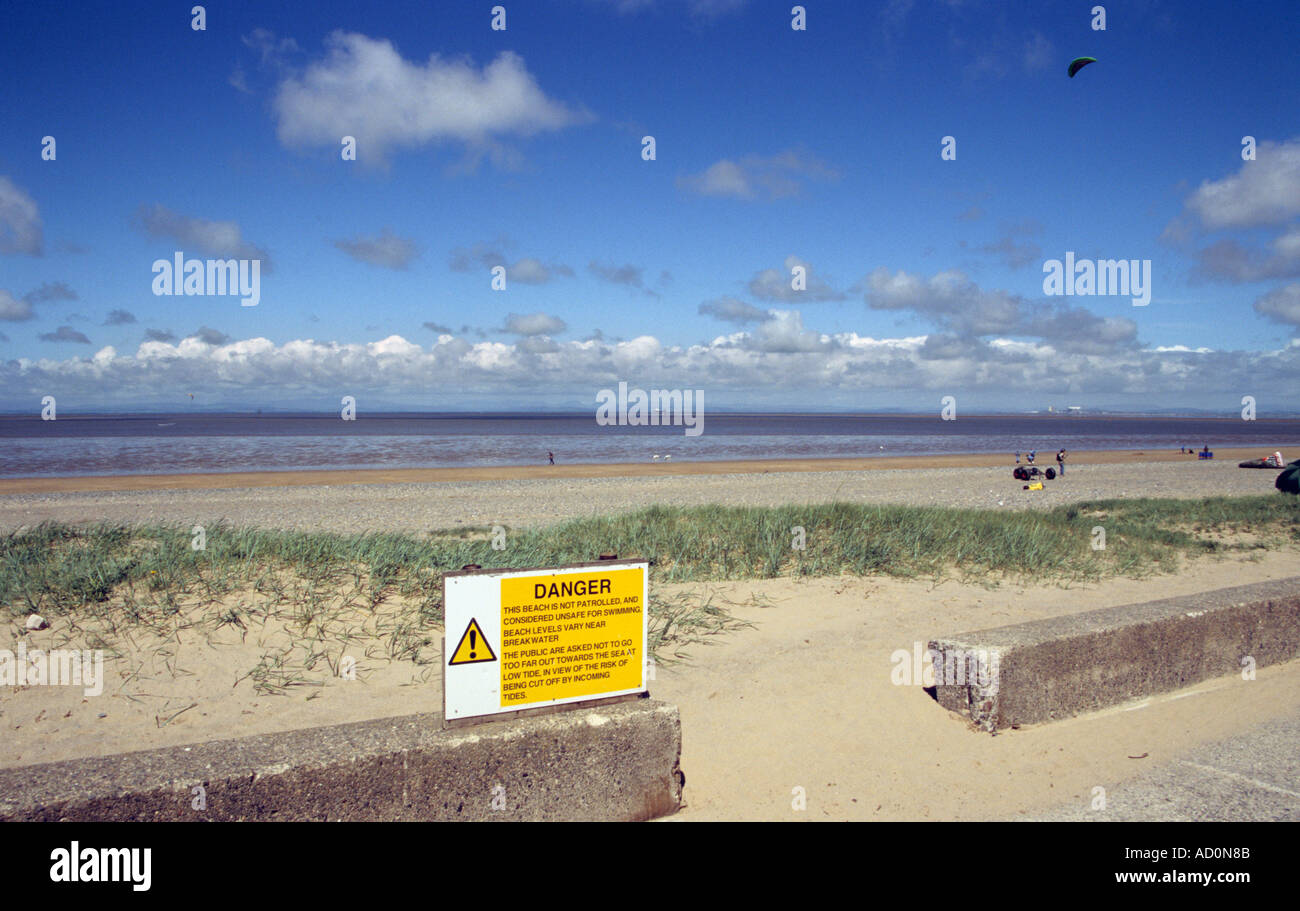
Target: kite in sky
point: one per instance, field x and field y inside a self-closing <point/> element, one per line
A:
<point x="1079" y="63"/>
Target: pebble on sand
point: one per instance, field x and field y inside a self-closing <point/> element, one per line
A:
<point x="36" y="621"/>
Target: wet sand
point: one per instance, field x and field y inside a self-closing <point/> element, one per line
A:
<point x="242" y="479"/>
<point x="374" y="501"/>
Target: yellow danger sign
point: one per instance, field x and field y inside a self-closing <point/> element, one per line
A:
<point x="473" y="647"/>
<point x="571" y="635"/>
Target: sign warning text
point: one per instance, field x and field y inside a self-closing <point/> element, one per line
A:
<point x="571" y="636"/>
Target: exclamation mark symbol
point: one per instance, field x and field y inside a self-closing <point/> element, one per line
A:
<point x="472" y="637"/>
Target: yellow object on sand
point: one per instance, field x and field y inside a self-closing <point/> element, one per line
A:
<point x="1037" y="485"/>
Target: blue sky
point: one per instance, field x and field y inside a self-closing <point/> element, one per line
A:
<point x="775" y="148"/>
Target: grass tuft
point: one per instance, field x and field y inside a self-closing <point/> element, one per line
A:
<point x="147" y="576"/>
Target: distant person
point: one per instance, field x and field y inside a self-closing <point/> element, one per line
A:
<point x="1030" y="457"/>
<point x="551" y="456"/>
<point x="1060" y="463"/>
<point x="1206" y="450"/>
<point x="1017" y="458"/>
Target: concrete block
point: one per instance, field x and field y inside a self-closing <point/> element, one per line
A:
<point x="1043" y="670"/>
<point x="617" y="762"/>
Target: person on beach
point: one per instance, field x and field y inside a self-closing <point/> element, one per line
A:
<point x="551" y="456"/>
<point x="1030" y="457"/>
<point x="1060" y="463"/>
<point x="1017" y="458"/>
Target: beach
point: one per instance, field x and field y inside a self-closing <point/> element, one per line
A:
<point x="796" y="693"/>
<point x="420" y="500"/>
<point x="803" y="698"/>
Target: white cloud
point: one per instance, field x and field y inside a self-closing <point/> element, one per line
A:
<point x="65" y="334"/>
<point x="13" y="309"/>
<point x="51" y="291"/>
<point x="532" y="271"/>
<point x="1281" y="305"/>
<point x="962" y="309"/>
<point x="756" y="177"/>
<point x="210" y="336"/>
<point x="527" y="270"/>
<point x="364" y="88"/>
<point x="534" y="324"/>
<point x="1263" y="192"/>
<point x="722" y="178"/>
<point x="780" y="358"/>
<point x="238" y="81"/>
<point x="215" y="238"/>
<point x="619" y="275"/>
<point x="1016" y="254"/>
<point x="776" y="284"/>
<point x="949" y="297"/>
<point x="387" y="250"/>
<point x="270" y="51"/>
<point x="785" y="332"/>
<point x="20" y="221"/>
<point x="733" y="310"/>
<point x="1229" y="260"/>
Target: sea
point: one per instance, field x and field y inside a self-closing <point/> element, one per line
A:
<point x="125" y="444"/>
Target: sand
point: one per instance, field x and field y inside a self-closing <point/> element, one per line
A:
<point x="250" y="479"/>
<point x="805" y="700"/>
<point x="529" y="497"/>
<point x="801" y="700"/>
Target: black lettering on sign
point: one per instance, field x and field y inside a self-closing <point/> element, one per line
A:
<point x="569" y="589"/>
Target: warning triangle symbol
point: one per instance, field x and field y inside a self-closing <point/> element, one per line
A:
<point x="473" y="647"/>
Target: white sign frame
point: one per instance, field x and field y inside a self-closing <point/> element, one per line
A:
<point x="472" y="692"/>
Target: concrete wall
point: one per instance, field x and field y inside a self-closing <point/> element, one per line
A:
<point x="617" y="762"/>
<point x="1050" y="669"/>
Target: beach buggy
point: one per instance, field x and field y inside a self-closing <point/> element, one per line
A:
<point x="1025" y="472"/>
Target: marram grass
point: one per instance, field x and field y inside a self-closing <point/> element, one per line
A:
<point x="140" y="576"/>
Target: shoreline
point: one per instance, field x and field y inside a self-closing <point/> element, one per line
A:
<point x="362" y="476"/>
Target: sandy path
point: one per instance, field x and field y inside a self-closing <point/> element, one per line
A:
<point x="805" y="700"/>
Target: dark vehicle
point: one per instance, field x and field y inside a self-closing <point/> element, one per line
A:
<point x="1025" y="472"/>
